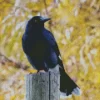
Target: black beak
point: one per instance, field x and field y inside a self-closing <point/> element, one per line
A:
<point x="45" y="19"/>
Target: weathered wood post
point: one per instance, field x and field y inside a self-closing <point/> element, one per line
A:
<point x="43" y="86"/>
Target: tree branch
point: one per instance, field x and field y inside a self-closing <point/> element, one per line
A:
<point x="4" y="60"/>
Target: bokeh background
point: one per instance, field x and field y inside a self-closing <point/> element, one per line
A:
<point x="76" y="27"/>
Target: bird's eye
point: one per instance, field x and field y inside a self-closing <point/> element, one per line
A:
<point x="35" y="21"/>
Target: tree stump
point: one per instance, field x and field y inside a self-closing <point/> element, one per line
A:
<point x="43" y="85"/>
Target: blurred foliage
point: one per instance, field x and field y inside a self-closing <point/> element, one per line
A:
<point x="76" y="27"/>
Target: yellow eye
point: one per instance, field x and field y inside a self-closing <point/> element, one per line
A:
<point x="35" y="21"/>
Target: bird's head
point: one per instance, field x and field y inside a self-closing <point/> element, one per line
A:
<point x="38" y="21"/>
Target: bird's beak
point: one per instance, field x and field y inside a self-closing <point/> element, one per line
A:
<point x="45" y="19"/>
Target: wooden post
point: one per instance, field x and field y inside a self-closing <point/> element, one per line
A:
<point x="43" y="86"/>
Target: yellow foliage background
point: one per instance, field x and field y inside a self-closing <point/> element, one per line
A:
<point x="76" y="27"/>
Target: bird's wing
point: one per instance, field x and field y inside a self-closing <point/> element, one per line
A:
<point x="51" y="40"/>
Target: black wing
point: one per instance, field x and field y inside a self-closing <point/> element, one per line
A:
<point x="51" y="40"/>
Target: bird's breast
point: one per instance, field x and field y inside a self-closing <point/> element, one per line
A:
<point x="36" y="47"/>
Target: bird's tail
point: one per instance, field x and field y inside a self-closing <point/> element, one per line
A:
<point x="67" y="85"/>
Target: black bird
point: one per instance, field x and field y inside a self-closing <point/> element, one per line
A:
<point x="43" y="53"/>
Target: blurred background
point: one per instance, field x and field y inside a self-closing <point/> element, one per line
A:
<point x="76" y="27"/>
